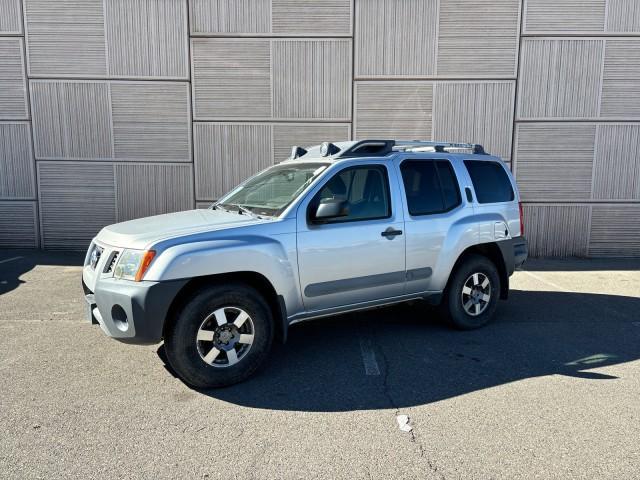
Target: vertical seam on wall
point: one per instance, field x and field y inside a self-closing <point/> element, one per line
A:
<point x="112" y="129"/>
<point x="433" y="107"/>
<point x="514" y="163"/>
<point x="106" y="39"/>
<point x="37" y="221"/>
<point x="603" y="53"/>
<point x="436" y="48"/>
<point x="115" y="193"/>
<point x="271" y="93"/>
<point x="272" y="142"/>
<point x="606" y="16"/>
<point x="190" y="99"/>
<point x="593" y="160"/>
<point x="353" y="71"/>
<point x="588" y="239"/>
<point x="24" y="33"/>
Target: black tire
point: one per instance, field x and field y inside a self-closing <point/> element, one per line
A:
<point x="453" y="304"/>
<point x="182" y="348"/>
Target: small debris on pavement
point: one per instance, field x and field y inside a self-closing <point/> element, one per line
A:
<point x="403" y="423"/>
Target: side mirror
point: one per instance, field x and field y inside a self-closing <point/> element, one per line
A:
<point x="330" y="208"/>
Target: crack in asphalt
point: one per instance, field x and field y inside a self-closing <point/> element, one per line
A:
<point x="386" y="391"/>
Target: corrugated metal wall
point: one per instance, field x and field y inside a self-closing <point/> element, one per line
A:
<point x="115" y="109"/>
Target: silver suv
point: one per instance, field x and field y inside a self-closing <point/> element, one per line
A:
<point x="337" y="227"/>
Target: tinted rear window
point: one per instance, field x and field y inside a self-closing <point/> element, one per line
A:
<point x="430" y="186"/>
<point x="490" y="181"/>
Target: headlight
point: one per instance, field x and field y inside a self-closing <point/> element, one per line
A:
<point x="133" y="264"/>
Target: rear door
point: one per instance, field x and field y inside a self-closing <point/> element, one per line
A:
<point x="353" y="259"/>
<point x="434" y="208"/>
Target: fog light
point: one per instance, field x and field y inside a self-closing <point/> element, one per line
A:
<point x="119" y="317"/>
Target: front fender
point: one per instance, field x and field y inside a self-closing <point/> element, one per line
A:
<point x="274" y="258"/>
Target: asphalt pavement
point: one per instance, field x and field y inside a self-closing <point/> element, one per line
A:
<point x="550" y="389"/>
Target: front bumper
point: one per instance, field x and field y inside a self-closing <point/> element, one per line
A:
<point x="131" y="312"/>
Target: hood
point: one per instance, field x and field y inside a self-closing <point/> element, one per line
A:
<point x="142" y="232"/>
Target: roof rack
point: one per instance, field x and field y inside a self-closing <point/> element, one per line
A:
<point x="417" y="145"/>
<point x="381" y="148"/>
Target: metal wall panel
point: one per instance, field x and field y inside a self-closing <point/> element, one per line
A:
<point x="66" y="38"/>
<point x="478" y="39"/>
<point x="615" y="230"/>
<point x="285" y="135"/>
<point x="477" y="112"/>
<point x="18" y="225"/>
<point x="231" y="78"/>
<point x="13" y="81"/>
<point x="71" y="119"/>
<point x="147" y="38"/>
<point x="557" y="230"/>
<point x="560" y="78"/>
<point x="616" y="168"/>
<point x="226" y="154"/>
<point x="274" y="73"/>
<point x="564" y="16"/>
<point x="621" y="79"/>
<point x="10" y="17"/>
<point x="145" y="189"/>
<point x="396" y="38"/>
<point x="623" y="16"/>
<point x="77" y="199"/>
<point x="216" y="17"/>
<point x="311" y="17"/>
<point x="17" y="170"/>
<point x="320" y="90"/>
<point x="553" y="161"/>
<point x="401" y="110"/>
<point x="151" y="121"/>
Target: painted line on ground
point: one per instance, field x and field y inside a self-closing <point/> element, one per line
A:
<point x="606" y="308"/>
<point x="544" y="280"/>
<point x="369" y="357"/>
<point x="10" y="259"/>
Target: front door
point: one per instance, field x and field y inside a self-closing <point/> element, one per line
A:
<point x="359" y="257"/>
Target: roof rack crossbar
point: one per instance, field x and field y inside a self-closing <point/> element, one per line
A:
<point x="403" y="145"/>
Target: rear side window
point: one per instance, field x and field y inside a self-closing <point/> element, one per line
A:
<point x="490" y="181"/>
<point x="430" y="186"/>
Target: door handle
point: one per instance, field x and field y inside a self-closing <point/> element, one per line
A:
<point x="391" y="232"/>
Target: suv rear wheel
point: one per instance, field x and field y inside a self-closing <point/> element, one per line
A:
<point x="472" y="295"/>
<point x="220" y="337"/>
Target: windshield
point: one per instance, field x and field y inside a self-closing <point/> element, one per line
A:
<point x="271" y="191"/>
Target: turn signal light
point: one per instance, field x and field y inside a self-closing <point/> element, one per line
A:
<point x="147" y="258"/>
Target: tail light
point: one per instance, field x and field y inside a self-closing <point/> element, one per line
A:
<point x="521" y="219"/>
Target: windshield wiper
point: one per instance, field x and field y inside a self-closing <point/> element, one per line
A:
<point x="219" y="206"/>
<point x="242" y="209"/>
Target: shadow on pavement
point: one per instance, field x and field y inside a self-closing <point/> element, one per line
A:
<point x="15" y="263"/>
<point x="535" y="333"/>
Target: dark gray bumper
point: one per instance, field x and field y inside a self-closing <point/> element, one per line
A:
<point x="514" y="252"/>
<point x="132" y="312"/>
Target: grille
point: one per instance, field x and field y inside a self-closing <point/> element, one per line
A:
<point x="112" y="262"/>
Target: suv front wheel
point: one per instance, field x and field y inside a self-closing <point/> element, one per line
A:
<point x="221" y="336"/>
<point x="472" y="295"/>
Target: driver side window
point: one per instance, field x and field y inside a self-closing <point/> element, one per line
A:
<point x="366" y="190"/>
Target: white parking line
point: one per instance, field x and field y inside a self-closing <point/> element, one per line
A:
<point x="10" y="259"/>
<point x="544" y="280"/>
<point x="369" y="357"/>
<point x="596" y="304"/>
